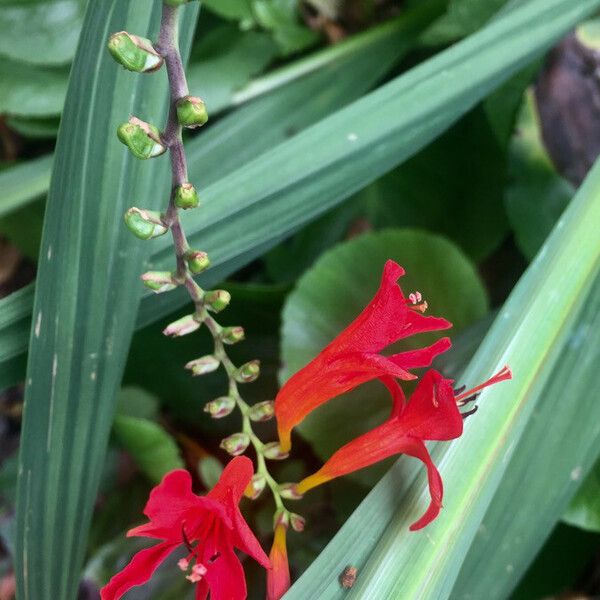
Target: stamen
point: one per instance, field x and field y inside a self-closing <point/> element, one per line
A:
<point x="420" y="307"/>
<point x="183" y="564"/>
<point x="467" y="400"/>
<point x="468" y="413"/>
<point x="502" y="375"/>
<point x="213" y="558"/>
<point x="415" y="297"/>
<point x="434" y="398"/>
<point x="186" y="541"/>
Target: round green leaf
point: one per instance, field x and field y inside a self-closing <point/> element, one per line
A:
<point x="331" y="294"/>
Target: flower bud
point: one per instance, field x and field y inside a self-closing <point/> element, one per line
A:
<point x="142" y="139"/>
<point x="220" y="407"/>
<point x="272" y="451"/>
<point x="145" y="224"/>
<point x="248" y="372"/>
<point x="255" y="487"/>
<point x="289" y="491"/>
<point x="263" y="411"/>
<point x="183" y="326"/>
<point x="159" y="281"/>
<point x="197" y="261"/>
<point x="204" y="365"/>
<point x="297" y="522"/>
<point x="281" y="519"/>
<point x="217" y="300"/>
<point x="236" y="444"/>
<point x="186" y="196"/>
<point x="232" y="335"/>
<point x="191" y="112"/>
<point x="134" y="53"/>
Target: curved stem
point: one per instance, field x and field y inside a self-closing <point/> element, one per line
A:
<point x="168" y="47"/>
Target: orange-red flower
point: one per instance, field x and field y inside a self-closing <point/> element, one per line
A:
<point x="432" y="413"/>
<point x="211" y="527"/>
<point x="353" y="357"/>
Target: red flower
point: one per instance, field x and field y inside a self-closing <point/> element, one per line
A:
<point x="211" y="527"/>
<point x="432" y="413"/>
<point x="278" y="577"/>
<point x="353" y="358"/>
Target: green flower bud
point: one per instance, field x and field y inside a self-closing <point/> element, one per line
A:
<point x="186" y="196"/>
<point x="191" y="112"/>
<point x="289" y="491"/>
<point x="263" y="411"/>
<point x="248" y="372"/>
<point x="220" y="407"/>
<point x="232" y="335"/>
<point x="217" y="300"/>
<point x="142" y="139"/>
<point x="183" y="326"/>
<point x="159" y="281"/>
<point x="236" y="444"/>
<point x="272" y="451"/>
<point x="204" y="365"/>
<point x="255" y="487"/>
<point x="297" y="522"/>
<point x="145" y="224"/>
<point x="197" y="261"/>
<point x="134" y="53"/>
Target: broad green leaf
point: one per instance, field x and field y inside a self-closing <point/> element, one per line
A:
<point x="24" y="182"/>
<point x="537" y="194"/>
<point x="84" y="310"/>
<point x="152" y="448"/>
<point x="42" y="33"/>
<point x="584" y="510"/>
<point x="31" y="91"/>
<point x="332" y="294"/>
<point x="268" y="121"/>
<point x="35" y="128"/>
<point x="532" y="333"/>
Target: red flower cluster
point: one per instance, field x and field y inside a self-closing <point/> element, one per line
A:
<point x="352" y="358"/>
<point x="210" y="527"/>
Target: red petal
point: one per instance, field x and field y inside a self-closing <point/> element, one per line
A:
<point x="278" y="578"/>
<point x="381" y="322"/>
<point x="431" y="413"/>
<point x="172" y="503"/>
<point x="417" y="449"/>
<point x="398" y="397"/>
<point x="225" y="577"/>
<point x="202" y="590"/>
<point x="137" y="572"/>
<point x="423" y="357"/>
<point x="235" y="477"/>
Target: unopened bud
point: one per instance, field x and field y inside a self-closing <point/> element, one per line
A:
<point x="273" y="451"/>
<point x="263" y="411"/>
<point x="297" y="522"/>
<point x="217" y="300"/>
<point x="236" y="444"/>
<point x="134" y="53"/>
<point x="255" y="487"/>
<point x="183" y="326"/>
<point x="204" y="365"/>
<point x="232" y="335"/>
<point x="191" y="112"/>
<point x="197" y="261"/>
<point x="145" y="224"/>
<point x="289" y="491"/>
<point x="281" y="519"/>
<point x="186" y="196"/>
<point x="142" y="139"/>
<point x="248" y="372"/>
<point x="220" y="407"/>
<point x="159" y="281"/>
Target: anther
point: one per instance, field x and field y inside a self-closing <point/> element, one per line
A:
<point x="469" y="412"/>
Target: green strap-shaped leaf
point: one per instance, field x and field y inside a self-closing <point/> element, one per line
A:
<point x="240" y="137"/>
<point x="531" y="333"/>
<point x="85" y="304"/>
